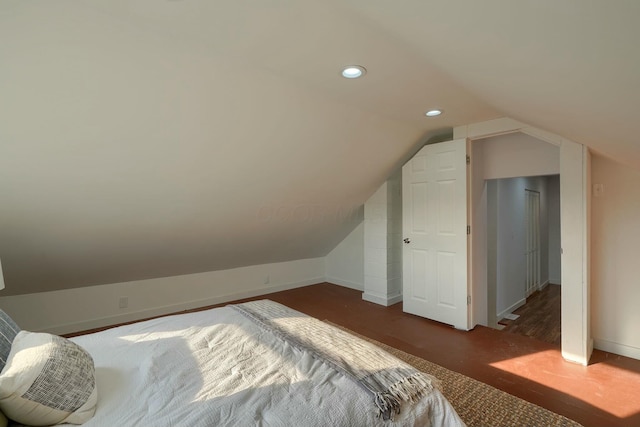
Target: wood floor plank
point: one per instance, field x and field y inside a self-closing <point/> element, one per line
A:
<point x="602" y="394"/>
<point x="539" y="317"/>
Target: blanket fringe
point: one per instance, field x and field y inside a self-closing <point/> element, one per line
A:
<point x="389" y="380"/>
<point x="410" y="389"/>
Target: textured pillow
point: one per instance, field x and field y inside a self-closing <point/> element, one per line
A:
<point x="8" y="331"/>
<point x="3" y="420"/>
<point x="47" y="380"/>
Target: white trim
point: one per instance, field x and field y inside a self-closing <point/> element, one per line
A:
<point x="344" y="283"/>
<point x="543" y="285"/>
<point x="503" y="126"/>
<point x="512" y="308"/>
<point x="173" y="308"/>
<point x="543" y="135"/>
<point x="614" y="347"/>
<point x="488" y="128"/>
<point x="385" y="300"/>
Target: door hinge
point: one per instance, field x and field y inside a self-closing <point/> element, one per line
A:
<point x="468" y="159"/>
<point x="468" y="229"/>
<point x="468" y="299"/>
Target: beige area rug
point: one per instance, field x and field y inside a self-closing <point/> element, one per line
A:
<point x="477" y="403"/>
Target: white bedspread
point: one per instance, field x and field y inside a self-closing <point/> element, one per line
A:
<point x="217" y="368"/>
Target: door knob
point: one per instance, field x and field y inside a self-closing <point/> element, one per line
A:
<point x="407" y="240"/>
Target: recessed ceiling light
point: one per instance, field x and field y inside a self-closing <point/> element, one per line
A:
<point x="433" y="113"/>
<point x="353" y="71"/>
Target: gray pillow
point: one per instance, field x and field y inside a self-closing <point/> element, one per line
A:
<point x="8" y="331"/>
<point x="47" y="380"/>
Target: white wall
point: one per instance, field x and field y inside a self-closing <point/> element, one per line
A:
<point x="344" y="265"/>
<point x="615" y="253"/>
<point x="375" y="246"/>
<point x="72" y="310"/>
<point x="518" y="154"/>
<point x="511" y="261"/>
<point x="382" y="243"/>
<point x="483" y="304"/>
<point x="510" y="245"/>
<point x="574" y="222"/>
<point x="553" y="200"/>
<point x="491" y="258"/>
<point x="394" y="227"/>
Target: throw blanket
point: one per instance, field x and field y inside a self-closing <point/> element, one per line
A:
<point x="389" y="380"/>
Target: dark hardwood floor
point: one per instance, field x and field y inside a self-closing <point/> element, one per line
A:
<point x="539" y="317"/>
<point x="605" y="393"/>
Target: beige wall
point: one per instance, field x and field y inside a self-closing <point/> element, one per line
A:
<point x="615" y="250"/>
<point x="128" y="155"/>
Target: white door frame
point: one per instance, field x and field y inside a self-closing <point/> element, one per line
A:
<point x="577" y="344"/>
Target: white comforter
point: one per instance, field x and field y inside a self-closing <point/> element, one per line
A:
<point x="217" y="368"/>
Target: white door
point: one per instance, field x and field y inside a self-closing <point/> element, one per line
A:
<point x="532" y="241"/>
<point x="434" y="194"/>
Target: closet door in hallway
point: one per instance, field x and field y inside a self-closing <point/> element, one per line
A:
<point x="532" y="241"/>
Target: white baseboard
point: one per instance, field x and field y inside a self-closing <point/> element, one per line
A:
<point x="385" y="300"/>
<point x="617" y="348"/>
<point x="344" y="283"/>
<point x="511" y="309"/>
<point x="173" y="308"/>
<point x="394" y="299"/>
<point x="78" y="309"/>
<point x="543" y="285"/>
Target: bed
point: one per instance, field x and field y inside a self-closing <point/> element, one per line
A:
<point x="258" y="363"/>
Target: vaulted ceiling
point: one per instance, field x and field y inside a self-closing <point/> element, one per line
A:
<point x="149" y="138"/>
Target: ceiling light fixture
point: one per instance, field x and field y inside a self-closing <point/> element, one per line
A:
<point x="433" y="113"/>
<point x="353" y="71"/>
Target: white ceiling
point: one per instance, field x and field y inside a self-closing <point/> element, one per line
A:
<point x="147" y="138"/>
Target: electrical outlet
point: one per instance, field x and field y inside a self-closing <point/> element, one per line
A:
<point x="123" y="302"/>
<point x="266" y="279"/>
<point x="598" y="190"/>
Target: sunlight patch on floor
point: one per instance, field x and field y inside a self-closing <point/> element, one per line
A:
<point x="587" y="383"/>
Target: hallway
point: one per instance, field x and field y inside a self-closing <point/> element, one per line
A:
<point x="539" y="317"/>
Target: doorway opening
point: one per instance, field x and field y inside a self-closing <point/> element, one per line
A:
<point x="523" y="239"/>
<point x="515" y="191"/>
<point x="573" y="161"/>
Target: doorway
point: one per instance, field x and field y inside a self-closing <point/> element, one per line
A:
<point x="506" y="165"/>
<point x="523" y="238"/>
<point x="574" y="161"/>
<point x="575" y="166"/>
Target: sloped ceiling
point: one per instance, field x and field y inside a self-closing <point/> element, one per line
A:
<point x="149" y="138"/>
